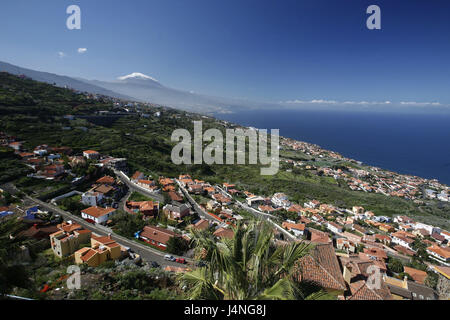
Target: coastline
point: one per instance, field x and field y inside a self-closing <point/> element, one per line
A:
<point x="398" y="164"/>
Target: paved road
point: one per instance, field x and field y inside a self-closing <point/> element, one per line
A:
<point x="259" y="215"/>
<point x="134" y="187"/>
<point x="202" y="213"/>
<point x="147" y="253"/>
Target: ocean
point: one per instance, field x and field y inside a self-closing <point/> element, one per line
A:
<point x="416" y="144"/>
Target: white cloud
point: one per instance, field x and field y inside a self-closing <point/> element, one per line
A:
<point x="82" y="50"/>
<point x="368" y="103"/>
<point x="420" y="104"/>
<point x="61" y="54"/>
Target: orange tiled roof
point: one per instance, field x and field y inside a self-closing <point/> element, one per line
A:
<point x="201" y="224"/>
<point x="136" y="175"/>
<point x="417" y="275"/>
<point x="296" y="226"/>
<point x="360" y="291"/>
<point x="105" y="180"/>
<point x="104" y="189"/>
<point x="319" y="236"/>
<point x="443" y="252"/>
<point x="88" y="254"/>
<point x="224" y="233"/>
<point x="69" y="227"/>
<point x="157" y="234"/>
<point x="322" y="267"/>
<point x="97" y="211"/>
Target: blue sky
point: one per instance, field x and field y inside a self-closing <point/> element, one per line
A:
<point x="284" y="50"/>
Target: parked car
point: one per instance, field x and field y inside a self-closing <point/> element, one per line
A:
<point x="155" y="264"/>
<point x="168" y="257"/>
<point x="180" y="260"/>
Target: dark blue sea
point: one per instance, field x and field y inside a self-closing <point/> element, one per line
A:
<point x="417" y="144"/>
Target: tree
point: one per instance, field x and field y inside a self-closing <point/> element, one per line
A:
<point x="402" y="275"/>
<point x="177" y="245"/>
<point x="431" y="280"/>
<point x="11" y="275"/>
<point x="127" y="224"/>
<point x="395" y="265"/>
<point x="249" y="266"/>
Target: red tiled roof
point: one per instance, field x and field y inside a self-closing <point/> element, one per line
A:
<point x="88" y="254"/>
<point x="105" y="180"/>
<point x="201" y="224"/>
<point x="97" y="211"/>
<point x="404" y="250"/>
<point x="376" y="252"/>
<point x="136" y="175"/>
<point x="296" y="226"/>
<point x="224" y="233"/>
<point x="104" y="189"/>
<point x="443" y="252"/>
<point x="149" y="182"/>
<point x="157" y="234"/>
<point x="417" y="275"/>
<point x="175" y="196"/>
<point x="322" y="267"/>
<point x="360" y="291"/>
<point x="319" y="236"/>
<point x="69" y="227"/>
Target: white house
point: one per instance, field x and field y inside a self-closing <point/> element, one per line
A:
<point x="148" y="184"/>
<point x="91" y="154"/>
<point x="403" y="241"/>
<point x="255" y="199"/>
<point x="445" y="234"/>
<point x="311" y="204"/>
<point x="429" y="228"/>
<point x="404" y="220"/>
<point x="298" y="229"/>
<point x="280" y="200"/>
<point x="334" y="227"/>
<point x="440" y="254"/>
<point x="98" y="214"/>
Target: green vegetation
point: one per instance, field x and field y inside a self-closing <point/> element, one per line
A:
<point x="395" y="265"/>
<point x="42" y="188"/>
<point x="11" y="275"/>
<point x="136" y="196"/>
<point x="432" y="279"/>
<point x="127" y="224"/>
<point x="249" y="266"/>
<point x="145" y="142"/>
<point x="177" y="245"/>
<point x="72" y="204"/>
<point x="11" y="167"/>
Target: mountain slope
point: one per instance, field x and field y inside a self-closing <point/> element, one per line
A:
<point x="140" y="87"/>
<point x="60" y="81"/>
<point x="148" y="89"/>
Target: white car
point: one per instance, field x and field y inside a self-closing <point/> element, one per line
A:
<point x="169" y="257"/>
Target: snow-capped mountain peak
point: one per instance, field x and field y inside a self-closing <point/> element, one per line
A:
<point x="137" y="75"/>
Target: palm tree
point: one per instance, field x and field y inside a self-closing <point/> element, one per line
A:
<point x="249" y="266"/>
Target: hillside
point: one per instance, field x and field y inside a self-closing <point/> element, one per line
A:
<point x="34" y="112"/>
